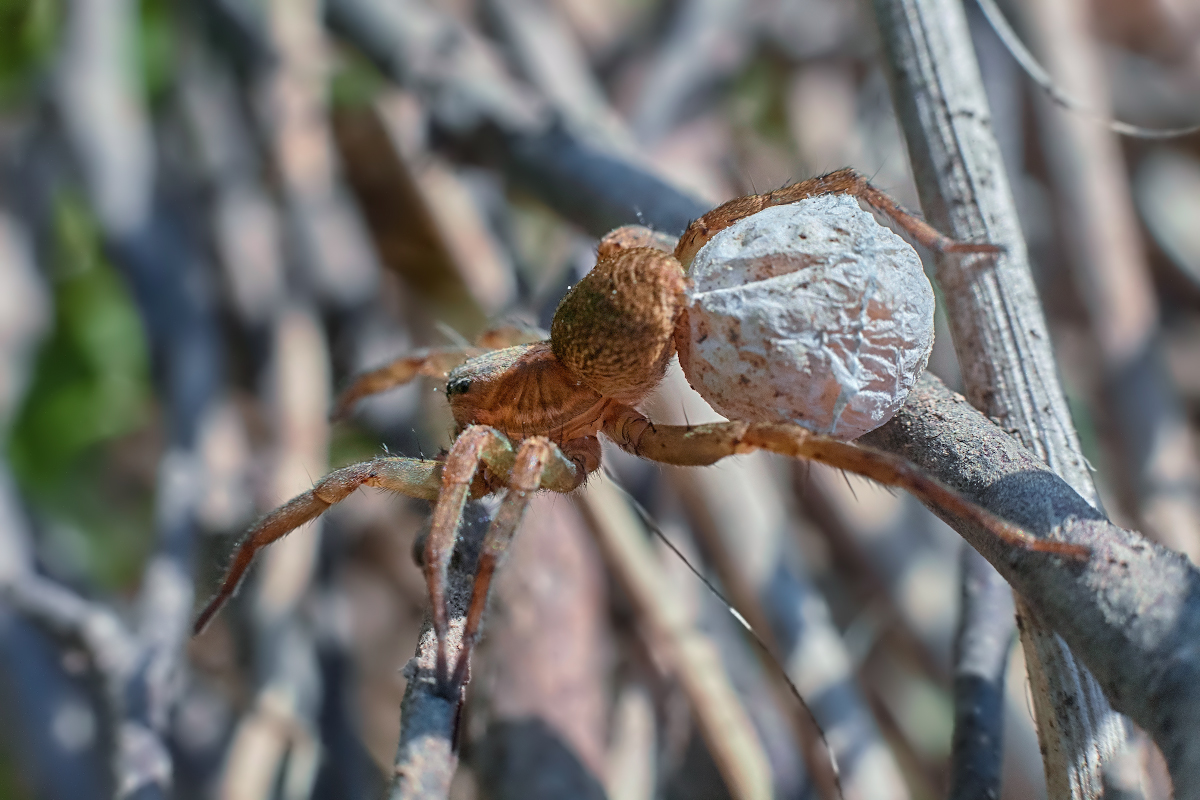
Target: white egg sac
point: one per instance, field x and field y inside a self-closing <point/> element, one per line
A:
<point x="811" y="313"/>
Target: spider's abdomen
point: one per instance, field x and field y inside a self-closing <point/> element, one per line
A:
<point x="614" y="329"/>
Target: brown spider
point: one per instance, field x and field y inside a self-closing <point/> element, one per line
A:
<point x="531" y="413"/>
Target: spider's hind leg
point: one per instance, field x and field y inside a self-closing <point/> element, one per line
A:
<point x="849" y="181"/>
<point x="843" y="181"/>
<point x="700" y="445"/>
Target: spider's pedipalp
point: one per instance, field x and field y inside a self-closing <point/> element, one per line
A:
<point x="704" y="444"/>
<point x="540" y="464"/>
<point x="409" y="476"/>
<point x="475" y="445"/>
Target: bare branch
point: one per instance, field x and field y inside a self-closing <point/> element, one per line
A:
<point x="427" y="754"/>
<point x="1131" y="613"/>
<point x="985" y="635"/>
<point x="741" y="522"/>
<point x="1112" y="276"/>
<point x="548" y="666"/>
<point x="723" y="721"/>
<point x="484" y="113"/>
<point x="999" y="332"/>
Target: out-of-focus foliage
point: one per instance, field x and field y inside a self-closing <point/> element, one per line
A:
<point x="10" y="783"/>
<point x="157" y="48"/>
<point x="90" y="387"/>
<point x="758" y="100"/>
<point x="354" y="83"/>
<point x="27" y="29"/>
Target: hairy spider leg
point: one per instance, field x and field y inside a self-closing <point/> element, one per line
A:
<point x="413" y="477"/>
<point x="434" y="363"/>
<point x="539" y="464"/>
<point x="475" y="445"/>
<point x="843" y="181"/>
<point x="701" y="445"/>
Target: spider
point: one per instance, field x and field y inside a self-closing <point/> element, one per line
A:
<point x="528" y="416"/>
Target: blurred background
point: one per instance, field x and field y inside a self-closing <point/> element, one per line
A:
<point x="214" y="212"/>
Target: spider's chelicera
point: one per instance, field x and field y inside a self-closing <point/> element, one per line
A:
<point x="530" y="415"/>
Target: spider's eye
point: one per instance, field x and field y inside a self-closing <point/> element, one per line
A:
<point x="457" y="386"/>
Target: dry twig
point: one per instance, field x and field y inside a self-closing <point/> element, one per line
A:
<point x="690" y="655"/>
<point x="1112" y="277"/>
<point x="999" y="333"/>
<point x="1131" y="613"/>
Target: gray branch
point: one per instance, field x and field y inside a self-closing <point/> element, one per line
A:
<point x="483" y="113"/>
<point x="999" y="332"/>
<point x="427" y="754"/>
<point x="1131" y="613"/>
<point x="985" y="635"/>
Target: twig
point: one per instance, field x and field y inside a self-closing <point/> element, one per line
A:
<point x="480" y="110"/>
<point x="547" y="667"/>
<point x="108" y="134"/>
<point x="418" y="231"/>
<point x="450" y="67"/>
<point x="741" y="522"/>
<point x="1131" y="612"/>
<point x="114" y="652"/>
<point x="551" y="59"/>
<point x="891" y="558"/>
<point x="999" y="332"/>
<point x="708" y="41"/>
<point x="427" y="754"/>
<point x="24" y="314"/>
<point x="632" y="754"/>
<point x="891" y="549"/>
<point x="1091" y="107"/>
<point x="985" y="635"/>
<point x="281" y="729"/>
<point x="1113" y="279"/>
<point x="244" y="227"/>
<point x="330" y="240"/>
<point x="723" y="722"/>
<point x="36" y="687"/>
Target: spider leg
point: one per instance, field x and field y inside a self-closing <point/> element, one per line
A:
<point x="409" y="476"/>
<point x="477" y="444"/>
<point x="435" y="362"/>
<point x="539" y="464"/>
<point x="701" y="445"/>
<point x="843" y="181"/>
<point x="629" y="237"/>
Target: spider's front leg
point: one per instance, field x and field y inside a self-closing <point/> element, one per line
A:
<point x="537" y="463"/>
<point x="435" y="362"/>
<point x="700" y="445"/>
<point x="413" y="477"/>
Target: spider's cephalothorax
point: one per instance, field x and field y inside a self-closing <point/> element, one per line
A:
<point x="531" y="414"/>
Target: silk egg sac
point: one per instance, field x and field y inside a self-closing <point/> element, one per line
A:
<point x="811" y="313"/>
